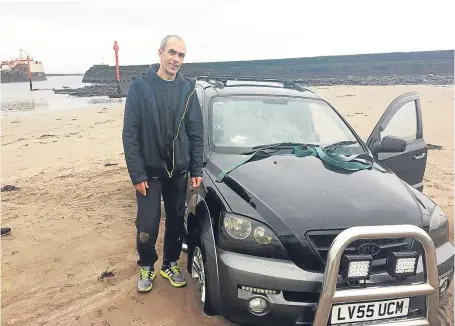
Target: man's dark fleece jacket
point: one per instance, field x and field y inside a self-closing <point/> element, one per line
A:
<point x="155" y="111"/>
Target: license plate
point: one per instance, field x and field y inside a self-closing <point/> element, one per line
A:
<point x="358" y="312"/>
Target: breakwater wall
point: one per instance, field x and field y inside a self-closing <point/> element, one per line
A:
<point x="404" y="68"/>
<point x="408" y="67"/>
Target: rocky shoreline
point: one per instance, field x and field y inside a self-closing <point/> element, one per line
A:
<point x="110" y="88"/>
<point x="101" y="89"/>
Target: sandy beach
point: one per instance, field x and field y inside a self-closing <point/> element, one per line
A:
<point x="73" y="213"/>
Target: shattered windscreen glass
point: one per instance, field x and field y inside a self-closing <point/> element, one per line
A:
<point x="248" y="121"/>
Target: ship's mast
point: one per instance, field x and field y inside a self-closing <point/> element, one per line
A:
<point x="23" y="55"/>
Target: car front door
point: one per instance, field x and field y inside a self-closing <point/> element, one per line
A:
<point x="403" y="120"/>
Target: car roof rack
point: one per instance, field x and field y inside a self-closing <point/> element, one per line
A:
<point x="221" y="82"/>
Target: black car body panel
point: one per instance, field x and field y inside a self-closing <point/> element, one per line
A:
<point x="306" y="203"/>
<point x="326" y="200"/>
<point x="307" y="194"/>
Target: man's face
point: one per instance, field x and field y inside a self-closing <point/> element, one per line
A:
<point x="172" y="56"/>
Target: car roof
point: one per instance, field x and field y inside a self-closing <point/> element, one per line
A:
<point x="259" y="87"/>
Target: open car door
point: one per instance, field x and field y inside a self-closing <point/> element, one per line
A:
<point x="397" y="140"/>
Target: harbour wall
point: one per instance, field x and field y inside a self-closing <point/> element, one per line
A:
<point x="433" y="67"/>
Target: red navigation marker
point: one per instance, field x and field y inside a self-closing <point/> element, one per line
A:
<point x="117" y="68"/>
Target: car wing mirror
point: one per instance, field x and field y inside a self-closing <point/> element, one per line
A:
<point x="390" y="144"/>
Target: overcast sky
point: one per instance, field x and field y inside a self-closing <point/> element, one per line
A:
<point x="70" y="36"/>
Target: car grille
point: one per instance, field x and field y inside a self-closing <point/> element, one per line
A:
<point x="321" y="241"/>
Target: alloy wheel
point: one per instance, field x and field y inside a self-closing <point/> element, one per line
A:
<point x="185" y="229"/>
<point x="198" y="272"/>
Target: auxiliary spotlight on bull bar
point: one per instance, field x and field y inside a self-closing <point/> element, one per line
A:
<point x="430" y="287"/>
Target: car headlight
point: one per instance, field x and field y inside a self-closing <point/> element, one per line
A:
<point x="439" y="227"/>
<point x="247" y="236"/>
<point x="237" y="227"/>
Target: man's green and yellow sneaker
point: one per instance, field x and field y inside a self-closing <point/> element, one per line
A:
<point x="173" y="274"/>
<point x="145" y="281"/>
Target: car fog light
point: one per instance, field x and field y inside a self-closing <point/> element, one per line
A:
<point x="444" y="282"/>
<point x="356" y="267"/>
<point x="402" y="264"/>
<point x="443" y="287"/>
<point x="258" y="306"/>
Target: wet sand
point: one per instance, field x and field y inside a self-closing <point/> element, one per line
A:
<point x="73" y="213"/>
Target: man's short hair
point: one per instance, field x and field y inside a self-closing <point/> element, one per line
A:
<point x="164" y="41"/>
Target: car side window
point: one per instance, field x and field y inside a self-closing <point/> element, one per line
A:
<point x="403" y="123"/>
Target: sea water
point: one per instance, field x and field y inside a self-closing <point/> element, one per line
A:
<point x="17" y="99"/>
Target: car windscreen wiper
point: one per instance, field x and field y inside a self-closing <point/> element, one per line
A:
<point x="276" y="145"/>
<point x="358" y="162"/>
<point x="340" y="143"/>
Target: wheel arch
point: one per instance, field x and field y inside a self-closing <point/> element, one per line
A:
<point x="200" y="221"/>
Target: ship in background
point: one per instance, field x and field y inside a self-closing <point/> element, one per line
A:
<point x="16" y="70"/>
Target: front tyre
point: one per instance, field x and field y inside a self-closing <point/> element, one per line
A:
<point x="185" y="229"/>
<point x="198" y="270"/>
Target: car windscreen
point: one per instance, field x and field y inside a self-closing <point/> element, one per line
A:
<point x="238" y="123"/>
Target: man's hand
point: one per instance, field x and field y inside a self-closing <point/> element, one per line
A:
<point x="196" y="182"/>
<point x="140" y="187"/>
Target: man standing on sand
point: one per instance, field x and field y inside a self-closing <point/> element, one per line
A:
<point x="163" y="142"/>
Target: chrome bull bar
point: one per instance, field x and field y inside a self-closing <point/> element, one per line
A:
<point x="430" y="287"/>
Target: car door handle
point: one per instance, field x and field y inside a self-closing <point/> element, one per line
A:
<point x="419" y="156"/>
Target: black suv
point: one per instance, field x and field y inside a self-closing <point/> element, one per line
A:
<point x="284" y="175"/>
